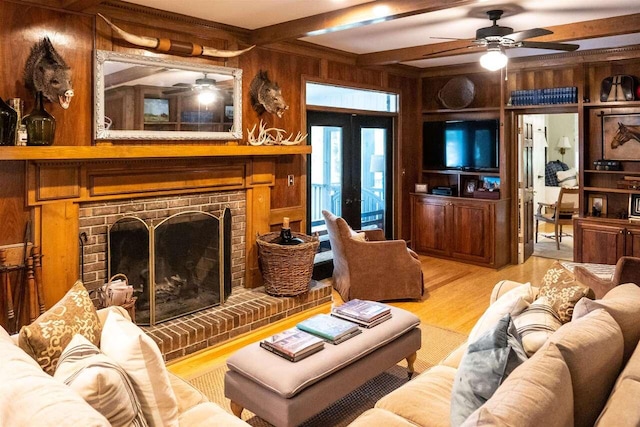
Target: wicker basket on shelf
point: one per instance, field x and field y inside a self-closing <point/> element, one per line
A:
<point x="286" y="270"/>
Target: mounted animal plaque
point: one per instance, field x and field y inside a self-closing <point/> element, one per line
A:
<point x="617" y="88"/>
<point x="46" y="72"/>
<point x="266" y="95"/>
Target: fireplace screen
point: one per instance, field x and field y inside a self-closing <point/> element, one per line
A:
<point x="177" y="266"/>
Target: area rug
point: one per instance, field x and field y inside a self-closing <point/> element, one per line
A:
<point x="547" y="248"/>
<point x="436" y="344"/>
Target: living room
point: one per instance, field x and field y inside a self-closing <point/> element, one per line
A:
<point x="50" y="196"/>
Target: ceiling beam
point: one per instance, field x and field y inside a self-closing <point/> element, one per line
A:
<point x="80" y="5"/>
<point x="561" y="33"/>
<point x="349" y="17"/>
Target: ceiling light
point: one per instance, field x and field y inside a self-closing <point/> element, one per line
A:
<point x="494" y="59"/>
<point x="206" y="96"/>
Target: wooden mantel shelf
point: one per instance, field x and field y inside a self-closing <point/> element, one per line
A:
<point x="103" y="152"/>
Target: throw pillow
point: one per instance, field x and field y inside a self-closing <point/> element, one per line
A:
<point x="592" y="348"/>
<point x="30" y="397"/>
<point x="622" y="304"/>
<point x="139" y="356"/>
<point x="568" y="178"/>
<point x="512" y="302"/>
<point x="537" y="394"/>
<point x="101" y="382"/>
<point x="562" y="290"/>
<point x="50" y="333"/>
<point x="360" y="237"/>
<point x="485" y="365"/>
<point x="536" y="324"/>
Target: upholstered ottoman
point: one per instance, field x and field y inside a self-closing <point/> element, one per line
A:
<point x="286" y="393"/>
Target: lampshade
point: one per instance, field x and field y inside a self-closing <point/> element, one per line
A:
<point x="540" y="139"/>
<point x="563" y="142"/>
<point x="494" y="59"/>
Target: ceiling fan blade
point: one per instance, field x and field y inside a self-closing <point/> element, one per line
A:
<point x="549" y="45"/>
<point x="528" y="34"/>
<point x="448" y="38"/>
<point x="448" y="50"/>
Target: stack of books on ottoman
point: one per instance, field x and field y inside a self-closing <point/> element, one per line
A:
<point x="364" y="313"/>
<point x="293" y="344"/>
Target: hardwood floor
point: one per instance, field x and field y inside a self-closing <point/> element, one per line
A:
<point x="457" y="296"/>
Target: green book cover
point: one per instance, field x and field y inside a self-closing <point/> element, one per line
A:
<point x="326" y="326"/>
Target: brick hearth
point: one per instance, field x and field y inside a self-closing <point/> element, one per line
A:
<point x="244" y="311"/>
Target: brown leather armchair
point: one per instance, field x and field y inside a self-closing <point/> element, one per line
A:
<point x="375" y="269"/>
<point x="627" y="271"/>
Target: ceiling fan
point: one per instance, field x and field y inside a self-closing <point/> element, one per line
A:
<point x="497" y="38"/>
<point x="200" y="85"/>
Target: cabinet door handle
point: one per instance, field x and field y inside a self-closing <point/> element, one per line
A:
<point x="622" y="231"/>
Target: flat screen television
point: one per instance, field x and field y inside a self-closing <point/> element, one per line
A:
<point x="461" y="144"/>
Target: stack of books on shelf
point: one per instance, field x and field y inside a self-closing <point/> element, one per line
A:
<point x="364" y="313"/>
<point x="293" y="344"/>
<point x="331" y="329"/>
<point x="555" y="95"/>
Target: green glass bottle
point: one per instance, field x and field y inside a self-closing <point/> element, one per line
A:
<point x="41" y="126"/>
<point x="8" y="124"/>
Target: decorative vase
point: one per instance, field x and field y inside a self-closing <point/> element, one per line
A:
<point x="41" y="126"/>
<point x="8" y="123"/>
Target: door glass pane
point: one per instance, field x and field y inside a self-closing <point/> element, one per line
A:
<point x="373" y="177"/>
<point x="326" y="174"/>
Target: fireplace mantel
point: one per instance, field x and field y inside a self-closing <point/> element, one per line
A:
<point x="149" y="151"/>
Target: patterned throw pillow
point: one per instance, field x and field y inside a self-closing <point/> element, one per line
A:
<point x="50" y="333"/>
<point x="101" y="382"/>
<point x="562" y="291"/>
<point x="536" y="324"/>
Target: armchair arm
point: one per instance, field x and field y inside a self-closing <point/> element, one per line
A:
<point x="599" y="286"/>
<point x="501" y="288"/>
<point x="373" y="235"/>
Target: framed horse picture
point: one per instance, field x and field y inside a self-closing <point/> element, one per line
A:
<point x="621" y="136"/>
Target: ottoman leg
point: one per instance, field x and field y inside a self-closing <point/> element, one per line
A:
<point x="410" y="361"/>
<point x="236" y="409"/>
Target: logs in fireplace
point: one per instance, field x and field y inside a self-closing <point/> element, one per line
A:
<point x="177" y="266"/>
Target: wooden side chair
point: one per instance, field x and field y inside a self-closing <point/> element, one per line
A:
<point x="559" y="213"/>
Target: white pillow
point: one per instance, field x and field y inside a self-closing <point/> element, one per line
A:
<point x="360" y="237"/>
<point x="568" y="178"/>
<point x="100" y="381"/>
<point x="536" y="324"/>
<point x="141" y="359"/>
<point x="512" y="302"/>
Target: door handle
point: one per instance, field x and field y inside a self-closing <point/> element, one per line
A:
<point x="348" y="201"/>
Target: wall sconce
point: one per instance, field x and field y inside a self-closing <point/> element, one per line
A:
<point x="563" y="145"/>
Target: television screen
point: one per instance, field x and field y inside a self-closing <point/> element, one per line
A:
<point x="463" y="144"/>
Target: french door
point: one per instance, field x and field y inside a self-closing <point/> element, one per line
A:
<point x="350" y="170"/>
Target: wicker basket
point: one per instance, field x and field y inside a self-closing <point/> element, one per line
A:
<point x="286" y="270"/>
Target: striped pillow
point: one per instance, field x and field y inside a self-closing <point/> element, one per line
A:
<point x="101" y="382"/>
<point x="536" y="324"/>
<point x="568" y="178"/>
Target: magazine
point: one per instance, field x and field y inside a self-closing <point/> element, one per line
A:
<point x="296" y="358"/>
<point x="328" y="327"/>
<point x="293" y="343"/>
<point x="366" y="311"/>
<point x="362" y="323"/>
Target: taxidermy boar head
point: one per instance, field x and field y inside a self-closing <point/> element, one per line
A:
<point x="46" y="72"/>
<point x="266" y="95"/>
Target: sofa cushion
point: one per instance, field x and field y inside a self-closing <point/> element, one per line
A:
<point x="623" y="406"/>
<point x="425" y="400"/>
<point x="512" y="302"/>
<point x="486" y="364"/>
<point x="623" y="304"/>
<point x="4" y="336"/>
<point x="592" y="347"/>
<point x="101" y="382"/>
<point x="563" y="291"/>
<point x="209" y="414"/>
<point x="187" y="396"/>
<point x="50" y="333"/>
<point x="140" y="357"/>
<point x="538" y="393"/>
<point x="30" y="397"/>
<point x="380" y="417"/>
<point x="536" y="324"/>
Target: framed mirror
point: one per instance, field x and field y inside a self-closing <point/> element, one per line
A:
<point x="148" y="98"/>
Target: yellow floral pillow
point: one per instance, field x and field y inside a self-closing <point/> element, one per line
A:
<point x="562" y="291"/>
<point x="50" y="333"/>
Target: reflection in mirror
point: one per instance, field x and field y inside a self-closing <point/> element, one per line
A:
<point x="140" y="97"/>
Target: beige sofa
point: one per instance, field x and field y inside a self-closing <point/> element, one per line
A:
<point x="580" y="376"/>
<point x="30" y="397"/>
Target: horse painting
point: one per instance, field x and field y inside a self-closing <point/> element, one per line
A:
<point x="625" y="133"/>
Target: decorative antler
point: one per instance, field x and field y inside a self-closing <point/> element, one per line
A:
<point x="266" y="136"/>
<point x="173" y="46"/>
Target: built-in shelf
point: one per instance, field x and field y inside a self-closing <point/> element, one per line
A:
<point x="612" y="190"/>
<point x="181" y="150"/>
<point x="629" y="173"/>
<point x="599" y="104"/>
<point x="460" y="172"/>
<point x="545" y="107"/>
<point x="463" y="110"/>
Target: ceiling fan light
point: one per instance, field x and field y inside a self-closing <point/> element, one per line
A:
<point x="206" y="97"/>
<point x="493" y="60"/>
